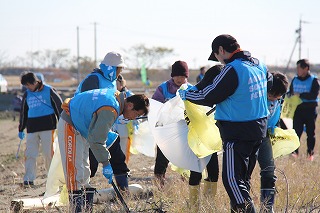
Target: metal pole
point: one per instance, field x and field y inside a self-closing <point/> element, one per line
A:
<point x="78" y="66"/>
<point x="120" y="197"/>
<point x="299" y="36"/>
<point x="95" y="43"/>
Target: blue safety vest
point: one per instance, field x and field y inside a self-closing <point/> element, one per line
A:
<point x="103" y="82"/>
<point x="249" y="101"/>
<point x="39" y="102"/>
<point x="168" y="95"/>
<point x="303" y="86"/>
<point x="91" y="101"/>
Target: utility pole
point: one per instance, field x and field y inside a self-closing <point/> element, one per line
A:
<point x="298" y="40"/>
<point x="95" y="43"/>
<point x="78" y="66"/>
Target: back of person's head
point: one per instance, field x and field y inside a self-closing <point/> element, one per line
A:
<point x="304" y="63"/>
<point x="140" y="102"/>
<point x="209" y="76"/>
<point x="180" y="68"/>
<point x="279" y="85"/>
<point x="28" y="78"/>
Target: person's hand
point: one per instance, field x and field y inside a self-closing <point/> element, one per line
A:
<point x="108" y="172"/>
<point x="271" y="130"/>
<point x="21" y="135"/>
<point x="182" y="94"/>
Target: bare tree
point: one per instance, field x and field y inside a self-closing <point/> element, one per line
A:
<point x="140" y="54"/>
<point x="49" y="58"/>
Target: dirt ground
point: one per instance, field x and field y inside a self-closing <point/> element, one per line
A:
<point x="12" y="169"/>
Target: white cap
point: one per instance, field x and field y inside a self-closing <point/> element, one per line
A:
<point x="113" y="59"/>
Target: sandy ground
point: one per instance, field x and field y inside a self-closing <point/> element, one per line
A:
<point x="12" y="169"/>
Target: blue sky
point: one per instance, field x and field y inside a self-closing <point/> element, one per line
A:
<point x="264" y="27"/>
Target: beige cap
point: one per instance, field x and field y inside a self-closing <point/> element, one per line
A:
<point x="113" y="59"/>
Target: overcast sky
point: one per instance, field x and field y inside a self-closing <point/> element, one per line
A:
<point x="264" y="27"/>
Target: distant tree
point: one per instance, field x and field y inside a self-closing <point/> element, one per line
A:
<point x="151" y="57"/>
<point x="49" y="58"/>
<point x="86" y="65"/>
<point x="3" y="58"/>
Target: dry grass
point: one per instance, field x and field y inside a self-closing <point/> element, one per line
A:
<point x="297" y="185"/>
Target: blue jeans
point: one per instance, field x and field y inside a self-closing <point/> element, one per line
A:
<point x="266" y="163"/>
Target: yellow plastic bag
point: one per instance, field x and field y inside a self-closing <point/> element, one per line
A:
<point x="203" y="136"/>
<point x="289" y="106"/>
<point x="64" y="195"/>
<point x="284" y="142"/>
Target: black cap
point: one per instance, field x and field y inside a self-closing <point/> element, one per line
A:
<point x="228" y="43"/>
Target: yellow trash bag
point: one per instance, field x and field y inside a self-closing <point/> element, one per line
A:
<point x="64" y="195"/>
<point x="203" y="135"/>
<point x="284" y="142"/>
<point x="289" y="106"/>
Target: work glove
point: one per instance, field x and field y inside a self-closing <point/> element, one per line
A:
<point x="271" y="130"/>
<point x="21" y="135"/>
<point x="182" y="94"/>
<point x="108" y="172"/>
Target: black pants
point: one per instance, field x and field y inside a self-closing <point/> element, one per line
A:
<point x="212" y="169"/>
<point x="117" y="160"/>
<point x="162" y="162"/>
<point x="307" y="117"/>
<point x="239" y="159"/>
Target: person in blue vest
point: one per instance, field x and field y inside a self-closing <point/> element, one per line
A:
<point x="105" y="77"/>
<point x="85" y="122"/>
<point x="306" y="86"/>
<point x="40" y="110"/>
<point x="265" y="156"/>
<point x="164" y="92"/>
<point x="240" y="95"/>
<point x="201" y="74"/>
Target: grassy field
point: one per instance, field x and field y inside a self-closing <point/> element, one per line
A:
<point x="298" y="187"/>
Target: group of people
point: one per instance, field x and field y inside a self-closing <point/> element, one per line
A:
<point x="248" y="103"/>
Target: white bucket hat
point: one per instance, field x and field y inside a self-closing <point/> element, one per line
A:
<point x="113" y="59"/>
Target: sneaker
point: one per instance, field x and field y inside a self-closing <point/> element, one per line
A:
<point x="294" y="155"/>
<point x="310" y="158"/>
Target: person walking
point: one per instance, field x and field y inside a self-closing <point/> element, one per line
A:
<point x="265" y="156"/>
<point x="40" y="110"/>
<point x="106" y="77"/>
<point x="86" y="122"/>
<point x="164" y="92"/>
<point x="240" y="95"/>
<point x="306" y="86"/>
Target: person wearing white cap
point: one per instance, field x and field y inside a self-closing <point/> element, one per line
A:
<point x="105" y="77"/>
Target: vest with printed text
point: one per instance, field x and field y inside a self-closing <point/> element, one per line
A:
<point x="39" y="102"/>
<point x="249" y="101"/>
<point x="303" y="86"/>
<point x="91" y="101"/>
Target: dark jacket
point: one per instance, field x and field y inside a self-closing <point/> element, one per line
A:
<point x="225" y="87"/>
